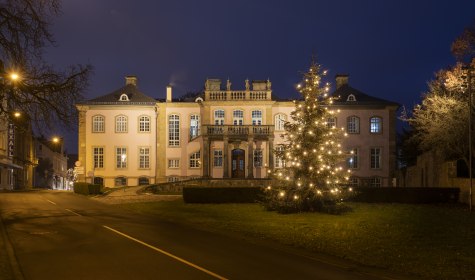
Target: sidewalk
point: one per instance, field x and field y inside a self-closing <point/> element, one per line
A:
<point x="131" y="195"/>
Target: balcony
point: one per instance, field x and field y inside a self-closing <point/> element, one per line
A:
<point x="253" y="95"/>
<point x="238" y="132"/>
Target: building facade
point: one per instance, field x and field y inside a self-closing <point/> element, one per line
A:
<point x="51" y="171"/>
<point x="128" y="138"/>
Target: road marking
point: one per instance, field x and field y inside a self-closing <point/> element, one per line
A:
<point x="73" y="212"/>
<point x="51" y="202"/>
<point x="167" y="254"/>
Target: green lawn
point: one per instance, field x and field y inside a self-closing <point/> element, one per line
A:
<point x="425" y="240"/>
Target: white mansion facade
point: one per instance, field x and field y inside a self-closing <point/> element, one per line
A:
<point x="129" y="138"/>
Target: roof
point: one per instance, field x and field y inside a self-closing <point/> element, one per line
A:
<point x="134" y="96"/>
<point x="360" y="98"/>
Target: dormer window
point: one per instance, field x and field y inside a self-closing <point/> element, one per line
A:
<point x="351" y="97"/>
<point x="124" y="97"/>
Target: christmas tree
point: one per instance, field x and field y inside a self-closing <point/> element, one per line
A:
<point x="313" y="177"/>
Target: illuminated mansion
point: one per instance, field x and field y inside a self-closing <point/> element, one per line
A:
<point x="129" y="138"/>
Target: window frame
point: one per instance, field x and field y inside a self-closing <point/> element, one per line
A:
<point x="258" y="158"/>
<point x="120" y="159"/>
<point x="353" y="160"/>
<point x="121" y="124"/>
<point x="353" y="124"/>
<point x="331" y="122"/>
<point x="194" y="160"/>
<point x="256" y="117"/>
<point x="378" y="125"/>
<point x="279" y="121"/>
<point x="195" y="123"/>
<point x="218" y="119"/>
<point x="279" y="161"/>
<point x="376" y="157"/>
<point x="144" y="124"/>
<point x="173" y="130"/>
<point x="218" y="157"/>
<point x="98" y="158"/>
<point x="171" y="161"/>
<point x="238" y="119"/>
<point x="144" y="158"/>
<point x="95" y="124"/>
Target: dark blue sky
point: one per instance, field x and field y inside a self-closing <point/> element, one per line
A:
<point x="389" y="48"/>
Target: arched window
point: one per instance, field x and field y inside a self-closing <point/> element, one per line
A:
<point x="173" y="130"/>
<point x="120" y="181"/>
<point x="121" y="124"/>
<point x="351" y="97"/>
<point x="331" y="122"/>
<point x="238" y="117"/>
<point x="143" y="181"/>
<point x="144" y="124"/>
<point x="279" y="122"/>
<point x="353" y="124"/>
<point x="124" y="97"/>
<point x="375" y="125"/>
<point x="256" y="117"/>
<point x="219" y="117"/>
<point x="98" y="123"/>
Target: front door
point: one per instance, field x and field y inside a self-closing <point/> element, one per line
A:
<point x="237" y="164"/>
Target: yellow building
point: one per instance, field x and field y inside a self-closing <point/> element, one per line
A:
<point x="128" y="138"/>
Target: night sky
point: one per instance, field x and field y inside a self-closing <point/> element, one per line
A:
<point x="389" y="48"/>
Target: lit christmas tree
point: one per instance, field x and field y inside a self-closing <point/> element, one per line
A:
<point x="313" y="178"/>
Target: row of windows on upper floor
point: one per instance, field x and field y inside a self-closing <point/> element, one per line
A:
<point x="121" y="123"/>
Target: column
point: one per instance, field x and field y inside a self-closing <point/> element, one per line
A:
<point x="271" y="153"/>
<point x="250" y="158"/>
<point x="206" y="157"/>
<point x="225" y="158"/>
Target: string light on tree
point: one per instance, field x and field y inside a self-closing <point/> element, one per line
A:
<point x="313" y="151"/>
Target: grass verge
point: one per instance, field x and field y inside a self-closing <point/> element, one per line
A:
<point x="437" y="242"/>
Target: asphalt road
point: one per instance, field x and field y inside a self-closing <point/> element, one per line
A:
<point x="59" y="235"/>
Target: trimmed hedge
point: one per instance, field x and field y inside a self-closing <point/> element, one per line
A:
<point x="406" y="195"/>
<point x="222" y="194"/>
<point x="87" y="189"/>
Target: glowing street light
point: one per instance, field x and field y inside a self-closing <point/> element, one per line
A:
<point x="17" y="114"/>
<point x="14" y="76"/>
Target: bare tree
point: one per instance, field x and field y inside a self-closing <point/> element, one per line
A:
<point x="463" y="48"/>
<point x="43" y="93"/>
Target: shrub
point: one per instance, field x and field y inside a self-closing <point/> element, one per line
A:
<point x="87" y="189"/>
<point x="221" y="194"/>
<point x="407" y="195"/>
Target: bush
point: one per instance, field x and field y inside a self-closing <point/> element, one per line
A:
<point x="87" y="189"/>
<point x="221" y="194"/>
<point x="407" y="195"/>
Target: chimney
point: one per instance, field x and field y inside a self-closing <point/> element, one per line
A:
<point x="131" y="80"/>
<point x="341" y="80"/>
<point x="169" y="93"/>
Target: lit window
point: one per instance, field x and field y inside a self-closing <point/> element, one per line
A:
<point x="279" y="158"/>
<point x="331" y="122"/>
<point x="238" y="117"/>
<point x="195" y="160"/>
<point x="218" y="158"/>
<point x="258" y="158"/>
<point x="121" y="124"/>
<point x="353" y="124"/>
<point x="173" y="130"/>
<point x="376" y="124"/>
<point x="375" y="182"/>
<point x="219" y="117"/>
<point x="98" y="123"/>
<point x="376" y="158"/>
<point x="279" y="122"/>
<point x="172" y="179"/>
<point x="194" y="126"/>
<point x="352" y="161"/>
<point x="256" y="117"/>
<point x="121" y="157"/>
<point x="144" y="124"/>
<point x="173" y="163"/>
<point x="98" y="156"/>
<point x="144" y="157"/>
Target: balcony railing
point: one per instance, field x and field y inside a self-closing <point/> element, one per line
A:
<point x="238" y="131"/>
<point x="232" y="95"/>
